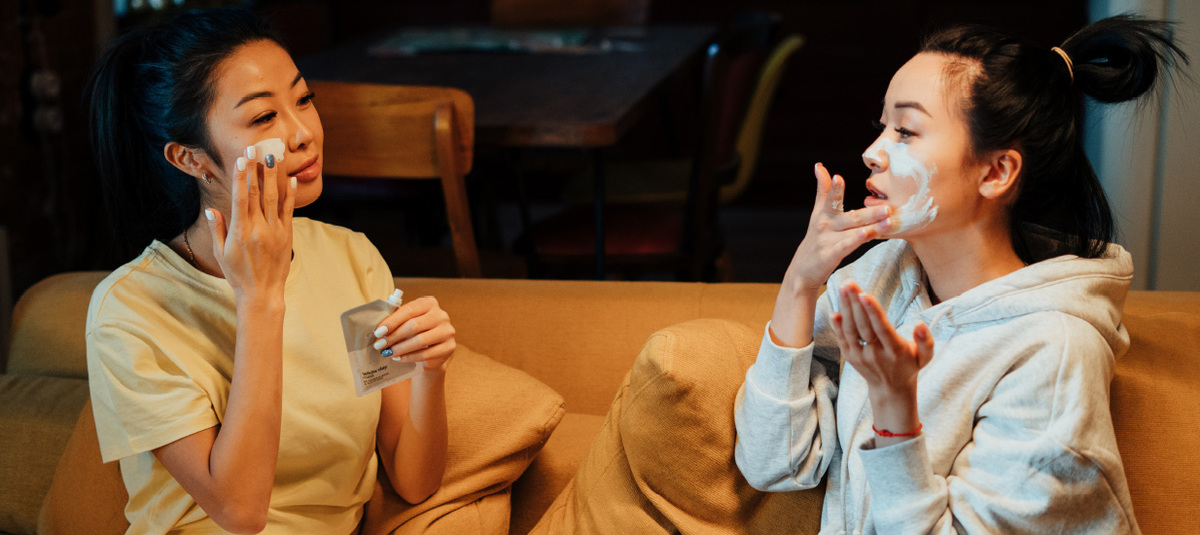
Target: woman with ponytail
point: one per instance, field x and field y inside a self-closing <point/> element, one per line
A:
<point x="226" y="413"/>
<point x="993" y="417"/>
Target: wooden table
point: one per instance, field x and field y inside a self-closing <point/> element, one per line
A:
<point x="539" y="99"/>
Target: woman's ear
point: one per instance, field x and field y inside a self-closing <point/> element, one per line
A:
<point x="189" y="160"/>
<point x="1003" y="169"/>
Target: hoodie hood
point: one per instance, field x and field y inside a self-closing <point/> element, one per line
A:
<point x="1092" y="289"/>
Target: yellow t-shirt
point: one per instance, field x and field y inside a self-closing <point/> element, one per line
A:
<point x="160" y="347"/>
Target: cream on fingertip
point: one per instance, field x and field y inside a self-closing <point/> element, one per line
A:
<point x="208" y="214"/>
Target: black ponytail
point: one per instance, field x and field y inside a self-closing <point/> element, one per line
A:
<point x="1026" y="96"/>
<point x="154" y="85"/>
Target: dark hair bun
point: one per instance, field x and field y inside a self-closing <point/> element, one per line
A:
<point x="1117" y="58"/>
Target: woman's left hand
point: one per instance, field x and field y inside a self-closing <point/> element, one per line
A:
<point x="418" y="331"/>
<point x="887" y="361"/>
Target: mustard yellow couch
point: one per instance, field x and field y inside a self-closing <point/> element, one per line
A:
<point x="581" y="339"/>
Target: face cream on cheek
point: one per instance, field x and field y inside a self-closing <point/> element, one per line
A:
<point x="273" y="146"/>
<point x="919" y="210"/>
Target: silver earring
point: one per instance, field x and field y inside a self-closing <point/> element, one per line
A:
<point x="204" y="177"/>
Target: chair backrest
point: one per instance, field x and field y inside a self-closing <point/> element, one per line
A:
<point x="750" y="136"/>
<point x="391" y="131"/>
<point x="731" y="69"/>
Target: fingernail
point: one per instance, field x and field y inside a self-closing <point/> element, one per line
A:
<point x="241" y="164"/>
<point x="387" y="352"/>
<point x="293" y="182"/>
<point x="270" y="161"/>
<point x="380" y="344"/>
<point x="382" y="330"/>
<point x="208" y="214"/>
<point x="251" y="152"/>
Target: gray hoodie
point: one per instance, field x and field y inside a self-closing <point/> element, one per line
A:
<point x="1018" y="437"/>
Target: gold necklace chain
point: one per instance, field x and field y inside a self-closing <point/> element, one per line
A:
<point x="191" y="255"/>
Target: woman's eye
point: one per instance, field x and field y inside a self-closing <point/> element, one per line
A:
<point x="905" y="133"/>
<point x="265" y="118"/>
<point x="306" y="99"/>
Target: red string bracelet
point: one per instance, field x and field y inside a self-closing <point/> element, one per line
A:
<point x="886" y="433"/>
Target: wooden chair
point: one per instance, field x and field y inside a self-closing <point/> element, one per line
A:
<point x="681" y="235"/>
<point x="404" y="132"/>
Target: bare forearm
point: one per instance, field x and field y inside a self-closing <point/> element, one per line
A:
<point x="242" y="462"/>
<point x="420" y="455"/>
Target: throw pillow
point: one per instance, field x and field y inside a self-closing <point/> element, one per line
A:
<point x="678" y="431"/>
<point x="663" y="463"/>
<point x="499" y="418"/>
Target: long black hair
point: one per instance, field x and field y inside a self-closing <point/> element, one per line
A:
<point x="1026" y="96"/>
<point x="155" y="85"/>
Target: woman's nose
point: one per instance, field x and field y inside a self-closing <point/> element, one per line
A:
<point x="875" y="158"/>
<point x="300" y="134"/>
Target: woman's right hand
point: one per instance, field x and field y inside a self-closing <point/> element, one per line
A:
<point x="833" y="233"/>
<point x="255" y="251"/>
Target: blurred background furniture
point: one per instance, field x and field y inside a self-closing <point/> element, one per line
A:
<point x="667" y="179"/>
<point x="580" y="338"/>
<point x="570" y="12"/>
<point x="671" y="225"/>
<point x="382" y="132"/>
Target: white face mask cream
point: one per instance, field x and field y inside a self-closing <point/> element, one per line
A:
<point x="273" y="146"/>
<point x="919" y="210"/>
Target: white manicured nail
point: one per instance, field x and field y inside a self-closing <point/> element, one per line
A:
<point x="251" y="152"/>
<point x="382" y="330"/>
<point x="293" y="182"/>
<point x="208" y="214"/>
<point x="241" y="164"/>
<point x="380" y="344"/>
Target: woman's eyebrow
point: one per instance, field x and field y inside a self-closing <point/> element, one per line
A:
<point x="914" y="105"/>
<point x="262" y="94"/>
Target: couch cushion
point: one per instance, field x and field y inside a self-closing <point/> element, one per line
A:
<point x="37" y="415"/>
<point x="678" y="431"/>
<point x="553" y="469"/>
<point x="499" y="417"/>
<point x="603" y="498"/>
<point x="48" y="326"/>
<point x="663" y="461"/>
<point x="1155" y="403"/>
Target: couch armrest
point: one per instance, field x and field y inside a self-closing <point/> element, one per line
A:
<point x="48" y="326"/>
<point x="37" y="415"/>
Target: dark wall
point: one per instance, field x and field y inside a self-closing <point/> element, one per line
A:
<point x="49" y="199"/>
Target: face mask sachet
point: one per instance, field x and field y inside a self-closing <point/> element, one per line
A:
<point x="372" y="371"/>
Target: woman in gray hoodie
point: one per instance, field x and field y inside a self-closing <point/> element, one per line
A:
<point x="993" y="417"/>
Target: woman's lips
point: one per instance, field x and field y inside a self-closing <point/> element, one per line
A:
<point x="308" y="171"/>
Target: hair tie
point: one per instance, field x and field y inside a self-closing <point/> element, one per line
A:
<point x="1067" y="59"/>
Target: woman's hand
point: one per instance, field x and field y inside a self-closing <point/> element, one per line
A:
<point x="832" y="234"/>
<point x="888" y="362"/>
<point x="255" y="251"/>
<point x="418" y="331"/>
